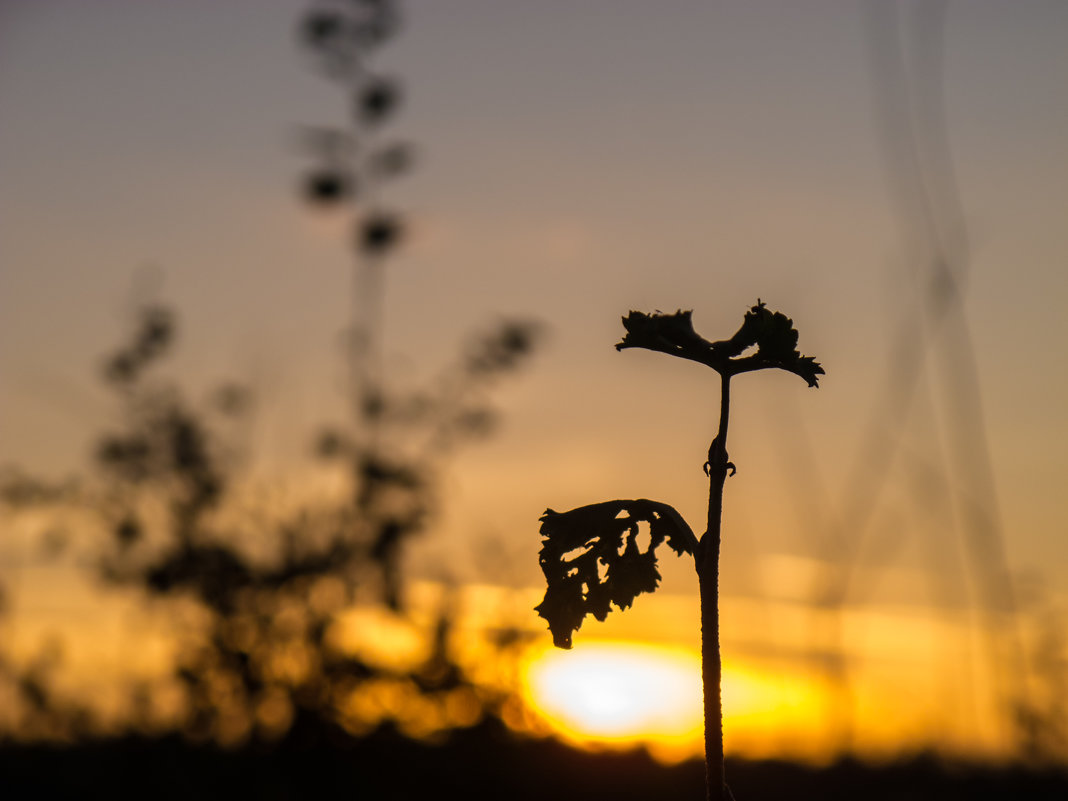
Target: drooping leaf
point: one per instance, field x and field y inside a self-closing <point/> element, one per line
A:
<point x="772" y="333"/>
<point x="592" y="558"/>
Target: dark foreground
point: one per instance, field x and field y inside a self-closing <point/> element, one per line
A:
<point x="480" y="763"/>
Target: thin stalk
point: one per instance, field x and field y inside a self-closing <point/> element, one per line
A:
<point x="708" y="580"/>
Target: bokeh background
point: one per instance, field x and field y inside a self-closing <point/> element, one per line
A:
<point x="892" y="176"/>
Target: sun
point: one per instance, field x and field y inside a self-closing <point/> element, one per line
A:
<point x="627" y="693"/>
<point x="620" y="692"/>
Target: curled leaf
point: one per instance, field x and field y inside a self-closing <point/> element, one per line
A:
<point x="775" y="338"/>
<point x="772" y="333"/>
<point x="592" y="558"/>
<point x="667" y="333"/>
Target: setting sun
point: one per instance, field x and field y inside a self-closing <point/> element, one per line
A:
<point x="634" y="693"/>
<point x="620" y="692"/>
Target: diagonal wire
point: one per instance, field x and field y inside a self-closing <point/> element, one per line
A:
<point x="910" y="114"/>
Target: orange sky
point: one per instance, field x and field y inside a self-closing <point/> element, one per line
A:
<point x="575" y="162"/>
<point x="913" y="682"/>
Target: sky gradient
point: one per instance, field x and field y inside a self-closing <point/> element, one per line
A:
<point x="576" y="161"/>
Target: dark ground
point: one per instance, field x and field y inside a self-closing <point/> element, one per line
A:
<point x="482" y="763"/>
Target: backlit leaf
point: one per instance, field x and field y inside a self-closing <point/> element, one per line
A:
<point x="771" y="333"/>
<point x="593" y="557"/>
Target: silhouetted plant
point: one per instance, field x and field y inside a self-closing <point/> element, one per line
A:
<point x="394" y="441"/>
<point x="592" y="556"/>
<point x="353" y="165"/>
<point x="270" y="584"/>
<point x="272" y="588"/>
<point x="283" y="608"/>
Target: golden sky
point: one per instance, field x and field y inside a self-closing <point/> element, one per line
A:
<point x="577" y="161"/>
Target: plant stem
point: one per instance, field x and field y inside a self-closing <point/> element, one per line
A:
<point x="708" y="580"/>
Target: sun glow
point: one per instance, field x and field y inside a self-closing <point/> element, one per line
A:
<point x="629" y="693"/>
<point x="620" y="692"/>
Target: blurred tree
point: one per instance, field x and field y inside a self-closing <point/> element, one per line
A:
<point x="269" y="588"/>
<point x="272" y="590"/>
